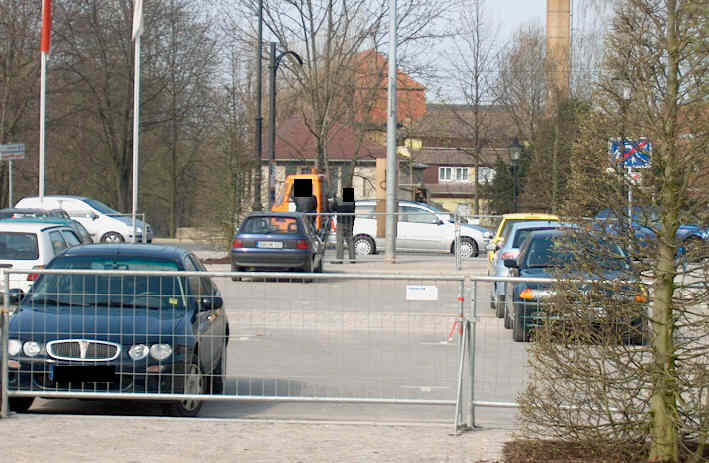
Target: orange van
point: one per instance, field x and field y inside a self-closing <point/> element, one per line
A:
<point x="286" y="202"/>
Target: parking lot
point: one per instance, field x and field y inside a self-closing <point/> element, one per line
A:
<point x="351" y="338"/>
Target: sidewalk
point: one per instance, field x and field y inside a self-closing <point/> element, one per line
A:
<point x="81" y="438"/>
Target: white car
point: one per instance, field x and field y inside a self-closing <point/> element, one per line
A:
<point x="27" y="244"/>
<point x="104" y="224"/>
<point x="420" y="227"/>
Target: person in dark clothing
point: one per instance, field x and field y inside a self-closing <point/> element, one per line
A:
<point x="345" y="224"/>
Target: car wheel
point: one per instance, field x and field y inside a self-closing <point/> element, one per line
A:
<point x="112" y="237"/>
<point x="518" y="331"/>
<point x="499" y="306"/>
<point x="217" y="379"/>
<point x="363" y="245"/>
<point x="506" y="316"/>
<point x="20" y="404"/>
<point x="468" y="247"/>
<point x="190" y="382"/>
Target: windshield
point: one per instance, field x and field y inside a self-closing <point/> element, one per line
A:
<point x="561" y="251"/>
<point x="267" y="225"/>
<point x="99" y="206"/>
<point x="152" y="292"/>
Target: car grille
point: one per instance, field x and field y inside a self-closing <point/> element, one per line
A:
<point x="82" y="349"/>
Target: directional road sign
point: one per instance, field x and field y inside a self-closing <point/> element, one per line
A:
<point x="12" y="152"/>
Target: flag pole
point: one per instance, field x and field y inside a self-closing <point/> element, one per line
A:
<point x="45" y="44"/>
<point x="42" y="120"/>
<point x="137" y="31"/>
<point x="136" y="130"/>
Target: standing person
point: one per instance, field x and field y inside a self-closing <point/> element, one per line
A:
<point x="345" y="224"/>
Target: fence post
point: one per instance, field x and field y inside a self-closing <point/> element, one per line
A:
<point x="472" y="325"/>
<point x="4" y="377"/>
<point x="458" y="259"/>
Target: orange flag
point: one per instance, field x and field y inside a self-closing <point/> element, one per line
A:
<point x="46" y="25"/>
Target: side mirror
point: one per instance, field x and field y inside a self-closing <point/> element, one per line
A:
<point x="15" y="295"/>
<point x="211" y="303"/>
<point x="510" y="263"/>
<point x="93" y="215"/>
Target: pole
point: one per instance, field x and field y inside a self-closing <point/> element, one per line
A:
<point x="9" y="184"/>
<point x="136" y="130"/>
<point x="630" y="195"/>
<point x="515" y="169"/>
<point x="259" y="117"/>
<point x="272" y="157"/>
<point x="4" y="376"/>
<point x="391" y="203"/>
<point x="42" y="120"/>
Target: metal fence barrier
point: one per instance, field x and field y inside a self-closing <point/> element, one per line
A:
<point x="291" y="337"/>
<point x="350" y="338"/>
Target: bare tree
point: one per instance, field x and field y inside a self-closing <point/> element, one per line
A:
<point x="474" y="67"/>
<point x="329" y="34"/>
<point x="522" y="80"/>
<point x="19" y="70"/>
<point x="654" y="394"/>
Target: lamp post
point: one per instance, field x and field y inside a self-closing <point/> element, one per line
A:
<point x="275" y="61"/>
<point x="515" y="150"/>
<point x="625" y="95"/>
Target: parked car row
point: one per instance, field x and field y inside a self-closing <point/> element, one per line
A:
<point x="548" y="249"/>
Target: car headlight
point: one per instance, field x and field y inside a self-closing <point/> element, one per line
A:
<point x="13" y="347"/>
<point x="31" y="348"/>
<point x="138" y="351"/>
<point x="160" y="351"/>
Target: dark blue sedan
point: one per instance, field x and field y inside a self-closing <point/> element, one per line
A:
<point x="606" y="292"/>
<point x="277" y="241"/>
<point x="116" y="333"/>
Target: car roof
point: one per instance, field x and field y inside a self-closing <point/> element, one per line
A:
<point x="401" y="201"/>
<point x="530" y="216"/>
<point x="128" y="250"/>
<point x="535" y="224"/>
<point x="294" y="215"/>
<point x="57" y="197"/>
<point x="29" y="225"/>
<point x="44" y="219"/>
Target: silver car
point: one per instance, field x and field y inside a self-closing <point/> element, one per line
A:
<point x="508" y="248"/>
<point x="420" y="227"/>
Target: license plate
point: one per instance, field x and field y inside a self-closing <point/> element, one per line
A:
<point x="83" y="373"/>
<point x="270" y="244"/>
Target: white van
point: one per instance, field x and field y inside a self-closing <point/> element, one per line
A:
<point x="104" y="224"/>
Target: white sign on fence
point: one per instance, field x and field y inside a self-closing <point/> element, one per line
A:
<point x="421" y="293"/>
<point x="12" y="152"/>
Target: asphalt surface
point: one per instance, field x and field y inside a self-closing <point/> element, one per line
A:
<point x="330" y="338"/>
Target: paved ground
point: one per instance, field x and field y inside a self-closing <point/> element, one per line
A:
<point x="67" y="438"/>
<point x="93" y="437"/>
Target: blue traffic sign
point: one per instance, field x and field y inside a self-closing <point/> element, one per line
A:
<point x="633" y="153"/>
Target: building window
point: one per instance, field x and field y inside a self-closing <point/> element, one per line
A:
<point x="453" y="174"/>
<point x="461" y="174"/>
<point x="291" y="170"/>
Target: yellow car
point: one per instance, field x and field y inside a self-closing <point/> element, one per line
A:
<point x="509" y="219"/>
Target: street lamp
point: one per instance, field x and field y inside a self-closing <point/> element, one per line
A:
<point x="275" y="61"/>
<point x="515" y="150"/>
<point x="624" y="90"/>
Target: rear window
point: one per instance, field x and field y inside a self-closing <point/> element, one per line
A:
<point x="18" y="246"/>
<point x="365" y="212"/>
<point x="268" y="225"/>
<point x="522" y="235"/>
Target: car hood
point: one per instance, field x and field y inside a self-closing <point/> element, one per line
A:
<point x="128" y="221"/>
<point x="126" y="326"/>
